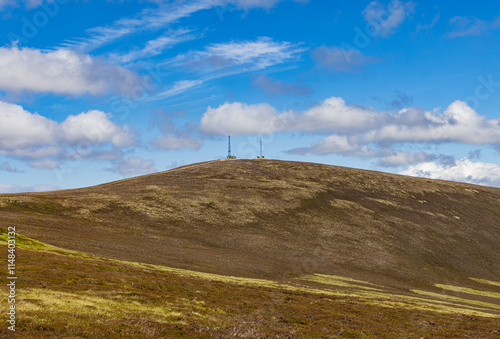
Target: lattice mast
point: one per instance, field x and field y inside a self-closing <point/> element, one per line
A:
<point x="261" y="148"/>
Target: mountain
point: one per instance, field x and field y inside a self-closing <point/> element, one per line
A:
<point x="292" y="223"/>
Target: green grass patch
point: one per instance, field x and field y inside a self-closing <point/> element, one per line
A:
<point x="468" y="290"/>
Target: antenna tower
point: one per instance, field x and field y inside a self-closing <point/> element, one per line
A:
<point x="261" y="156"/>
<point x="261" y="148"/>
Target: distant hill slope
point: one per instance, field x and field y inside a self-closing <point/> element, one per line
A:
<point x="277" y="220"/>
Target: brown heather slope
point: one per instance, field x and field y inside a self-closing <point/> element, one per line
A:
<point x="279" y="220"/>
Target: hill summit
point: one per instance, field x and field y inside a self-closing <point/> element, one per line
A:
<point x="277" y="220"/>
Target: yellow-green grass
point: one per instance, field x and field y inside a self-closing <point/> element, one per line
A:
<point x="469" y="291"/>
<point x="27" y="243"/>
<point x="390" y="298"/>
<point x="344" y="286"/>
<point x="62" y="295"/>
<point x="485" y="281"/>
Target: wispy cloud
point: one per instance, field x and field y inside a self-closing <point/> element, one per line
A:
<point x="177" y="88"/>
<point x="469" y="26"/>
<point x="266" y="4"/>
<point x="150" y="19"/>
<point x="430" y="25"/>
<point x="278" y="87"/>
<point x="133" y="166"/>
<point x="156" y="46"/>
<point x="27" y="3"/>
<point x="384" y="20"/>
<point x="235" y="57"/>
<point x="341" y="59"/>
<point x="11" y="188"/>
<point x="8" y="168"/>
<point x="172" y="136"/>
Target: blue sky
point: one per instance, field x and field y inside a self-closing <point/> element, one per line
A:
<point x="96" y="91"/>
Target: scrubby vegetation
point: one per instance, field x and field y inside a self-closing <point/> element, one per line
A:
<point x="258" y="249"/>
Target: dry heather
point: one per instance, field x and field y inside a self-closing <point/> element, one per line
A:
<point x="315" y="231"/>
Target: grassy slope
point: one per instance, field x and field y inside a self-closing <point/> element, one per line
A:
<point x="63" y="294"/>
<point x="298" y="224"/>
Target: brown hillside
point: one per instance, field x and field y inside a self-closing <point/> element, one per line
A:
<point x="278" y="220"/>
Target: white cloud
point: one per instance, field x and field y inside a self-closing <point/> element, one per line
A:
<point x="261" y="53"/>
<point x="428" y="26"/>
<point x="62" y="72"/>
<point x="31" y="136"/>
<point x="94" y="127"/>
<point x="47" y="164"/>
<point x="463" y="170"/>
<point x="359" y="131"/>
<point x="467" y="26"/>
<point x="20" y="129"/>
<point x="171" y="142"/>
<point x="11" y="188"/>
<point x="177" y="88"/>
<point x="334" y="115"/>
<point x="239" y="56"/>
<point x="33" y="152"/>
<point x="341" y="59"/>
<point x="156" y="46"/>
<point x="397" y="158"/>
<point x="340" y="145"/>
<point x="28" y="3"/>
<point x="241" y="119"/>
<point x="151" y="19"/>
<point x="384" y="20"/>
<point x="458" y="123"/>
<point x="133" y="166"/>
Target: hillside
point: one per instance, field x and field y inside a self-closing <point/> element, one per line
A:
<point x="299" y="224"/>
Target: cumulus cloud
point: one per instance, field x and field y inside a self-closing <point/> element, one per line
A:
<point x="241" y="119"/>
<point x="31" y="136"/>
<point x="20" y="129"/>
<point x="458" y="123"/>
<point x="463" y="170"/>
<point x="333" y="114"/>
<point x="278" y="87"/>
<point x="361" y="131"/>
<point x="94" y="127"/>
<point x="133" y="166"/>
<point x="61" y="71"/>
<point x="341" y="59"/>
<point x="384" y="20"/>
